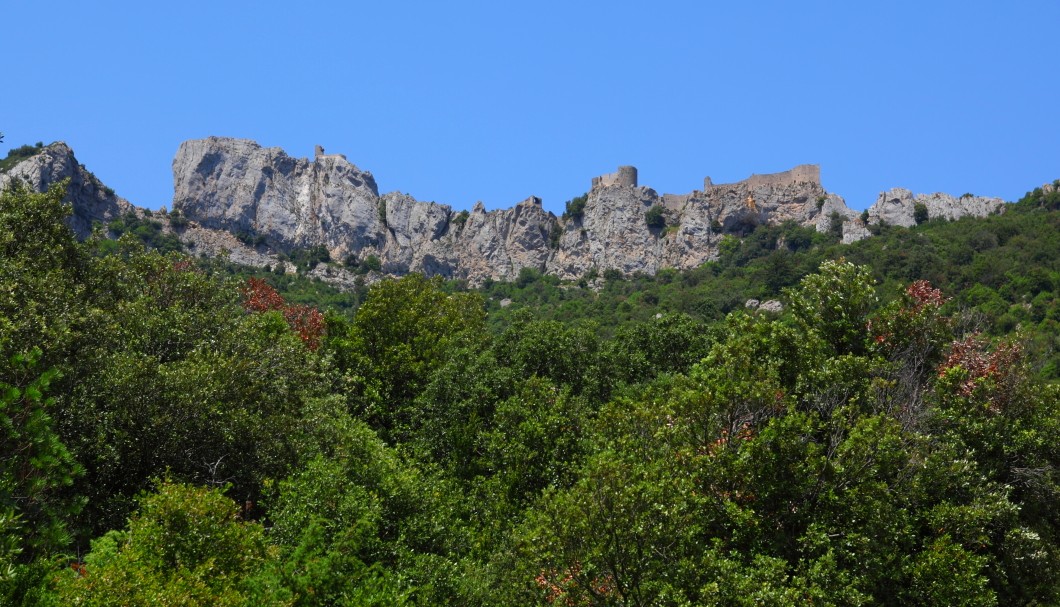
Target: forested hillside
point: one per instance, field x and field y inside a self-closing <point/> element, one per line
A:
<point x="178" y="434"/>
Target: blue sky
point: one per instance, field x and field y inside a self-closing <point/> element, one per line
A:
<point x="463" y="101"/>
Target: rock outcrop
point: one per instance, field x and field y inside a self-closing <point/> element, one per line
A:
<point x="238" y="186"/>
<point x="91" y="200"/>
<point x="254" y="204"/>
<point x="897" y="206"/>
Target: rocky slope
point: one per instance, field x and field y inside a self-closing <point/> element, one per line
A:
<point x="91" y="200"/>
<point x="897" y="206"/>
<point x="278" y="204"/>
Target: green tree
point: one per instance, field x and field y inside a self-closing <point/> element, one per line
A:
<point x="399" y="337"/>
<point x="357" y="522"/>
<point x="42" y="272"/>
<point x="174" y="374"/>
<point x="35" y="470"/>
<point x="655" y="217"/>
<point x="185" y="545"/>
<point x="536" y="440"/>
<point x="920" y="213"/>
<point x="835" y="304"/>
<point x="575" y="207"/>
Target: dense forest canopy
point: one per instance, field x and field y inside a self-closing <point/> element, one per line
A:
<point x="176" y="432"/>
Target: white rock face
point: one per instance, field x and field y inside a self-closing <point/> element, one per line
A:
<point x="896" y="207"/>
<point x="228" y="187"/>
<point x="611" y="235"/>
<point x="238" y="186"/>
<point x="497" y="244"/>
<point x="90" y="199"/>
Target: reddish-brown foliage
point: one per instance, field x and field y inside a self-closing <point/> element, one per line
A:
<point x="924" y="295"/>
<point x="306" y="321"/>
<point x="970" y="355"/>
<point x="259" y="296"/>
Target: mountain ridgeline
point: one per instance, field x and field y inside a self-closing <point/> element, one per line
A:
<point x="261" y="205"/>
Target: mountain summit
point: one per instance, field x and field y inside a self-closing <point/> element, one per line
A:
<point x="258" y="203"/>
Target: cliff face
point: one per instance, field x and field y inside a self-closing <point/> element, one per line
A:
<point x="91" y="200"/>
<point x="232" y="187"/>
<point x="238" y="186"/>
<point x="897" y="206"/>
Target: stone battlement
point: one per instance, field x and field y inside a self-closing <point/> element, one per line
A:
<point x="624" y="176"/>
<point x="804" y="173"/>
<point x="318" y="153"/>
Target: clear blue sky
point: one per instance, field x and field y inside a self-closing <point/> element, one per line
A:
<point x="494" y="101"/>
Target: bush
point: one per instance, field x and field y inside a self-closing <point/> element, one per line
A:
<point x="372" y="264"/>
<point x="575" y="207"/>
<point x="835" y="225"/>
<point x="17" y="155"/>
<point x="177" y="220"/>
<point x="920" y="212"/>
<point x="655" y="217"/>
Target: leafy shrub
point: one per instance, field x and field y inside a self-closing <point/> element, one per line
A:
<point x="372" y="264"/>
<point x="655" y="217"/>
<point x="17" y="155"/>
<point x="835" y="225"/>
<point x="177" y="220"/>
<point x="920" y="213"/>
<point x="575" y="207"/>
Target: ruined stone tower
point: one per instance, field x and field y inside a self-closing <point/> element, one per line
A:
<point x="624" y="176"/>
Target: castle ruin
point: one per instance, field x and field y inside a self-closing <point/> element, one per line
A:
<point x="624" y="176"/>
<point x="318" y="153"/>
<point x="804" y="173"/>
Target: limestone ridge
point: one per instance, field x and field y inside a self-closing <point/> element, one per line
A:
<point x="91" y="200"/>
<point x="896" y="206"/>
<point x="238" y="186"/>
<point x="231" y="188"/>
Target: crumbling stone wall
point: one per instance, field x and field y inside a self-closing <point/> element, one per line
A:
<point x="624" y="176"/>
<point x="318" y="153"/>
<point x="804" y="173"/>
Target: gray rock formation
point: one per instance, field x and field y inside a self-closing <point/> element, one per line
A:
<point x="91" y="200"/>
<point x="238" y="186"/>
<point x="229" y="187"/>
<point x="896" y="207"/>
<point x="497" y="244"/>
<point x="612" y="234"/>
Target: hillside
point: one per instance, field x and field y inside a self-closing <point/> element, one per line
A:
<point x="175" y="432"/>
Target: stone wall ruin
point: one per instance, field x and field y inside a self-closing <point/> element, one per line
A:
<point x="625" y="176"/>
<point x="804" y="173"/>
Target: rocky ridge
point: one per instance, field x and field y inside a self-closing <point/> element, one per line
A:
<point x="91" y="200"/>
<point x="255" y="204"/>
